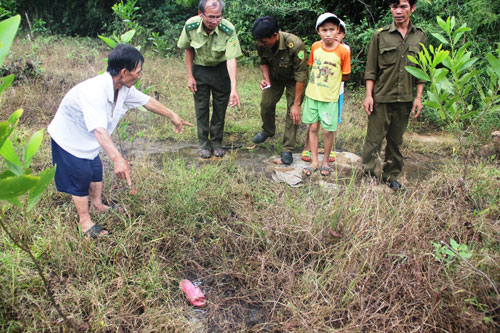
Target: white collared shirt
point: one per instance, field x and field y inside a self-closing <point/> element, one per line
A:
<point x="87" y="106"/>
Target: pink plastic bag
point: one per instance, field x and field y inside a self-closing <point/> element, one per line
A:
<point x="194" y="295"/>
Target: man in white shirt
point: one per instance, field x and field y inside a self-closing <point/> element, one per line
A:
<point x="83" y="124"/>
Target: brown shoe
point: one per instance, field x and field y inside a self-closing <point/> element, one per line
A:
<point x="204" y="153"/>
<point x="219" y="152"/>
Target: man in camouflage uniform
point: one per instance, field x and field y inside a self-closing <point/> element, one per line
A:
<point x="390" y="89"/>
<point x="211" y="47"/>
<point x="284" y="65"/>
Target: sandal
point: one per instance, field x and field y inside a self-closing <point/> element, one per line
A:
<point x="308" y="171"/>
<point x="332" y="157"/>
<point x="306" y="156"/>
<point x="326" y="170"/>
<point x="94" y="231"/>
<point x="194" y="295"/>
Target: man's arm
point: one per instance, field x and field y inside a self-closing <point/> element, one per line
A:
<point x="189" y="55"/>
<point x="266" y="76"/>
<point x="417" y="103"/>
<point x="368" y="103"/>
<point x="120" y="165"/>
<point x="300" y="68"/>
<point x="371" y="73"/>
<point x="232" y="69"/>
<point x="155" y="106"/>
<point x="295" y="110"/>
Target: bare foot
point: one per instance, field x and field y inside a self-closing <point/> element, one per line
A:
<point x="104" y="208"/>
<point x="100" y="208"/>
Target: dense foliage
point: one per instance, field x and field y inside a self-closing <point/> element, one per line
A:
<point x="161" y="20"/>
<point x="158" y="23"/>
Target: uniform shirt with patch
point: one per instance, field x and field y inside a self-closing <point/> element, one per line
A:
<point x="210" y="50"/>
<point x="385" y="64"/>
<point x="288" y="62"/>
<point x="327" y="68"/>
<point x="87" y="106"/>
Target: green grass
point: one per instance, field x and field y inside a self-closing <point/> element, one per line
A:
<point x="261" y="251"/>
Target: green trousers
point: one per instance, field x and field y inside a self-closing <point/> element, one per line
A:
<point x="212" y="80"/>
<point x="270" y="97"/>
<point x="389" y="121"/>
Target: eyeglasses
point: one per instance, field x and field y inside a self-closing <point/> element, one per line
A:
<point x="213" y="17"/>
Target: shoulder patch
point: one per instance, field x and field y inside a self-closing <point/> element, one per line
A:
<point x="387" y="27"/>
<point x="290" y="45"/>
<point x="300" y="55"/>
<point x="232" y="41"/>
<point x="226" y="29"/>
<point x="192" y="26"/>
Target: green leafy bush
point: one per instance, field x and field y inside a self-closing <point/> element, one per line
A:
<point x="8" y="8"/>
<point x="457" y="92"/>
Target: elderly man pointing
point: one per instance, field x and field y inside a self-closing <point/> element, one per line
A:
<point x="83" y="124"/>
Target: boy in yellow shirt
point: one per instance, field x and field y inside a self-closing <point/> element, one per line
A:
<point x="330" y="64"/>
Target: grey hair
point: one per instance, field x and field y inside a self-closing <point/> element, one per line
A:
<point x="203" y="3"/>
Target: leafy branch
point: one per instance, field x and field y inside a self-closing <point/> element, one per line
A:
<point x="461" y="98"/>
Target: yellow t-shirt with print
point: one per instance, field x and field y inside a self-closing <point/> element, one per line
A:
<point x="326" y="69"/>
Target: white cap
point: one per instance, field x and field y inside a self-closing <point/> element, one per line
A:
<point x="323" y="17"/>
<point x="342" y="25"/>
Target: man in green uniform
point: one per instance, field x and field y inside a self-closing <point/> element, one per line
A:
<point x="211" y="47"/>
<point x="390" y="89"/>
<point x="283" y="63"/>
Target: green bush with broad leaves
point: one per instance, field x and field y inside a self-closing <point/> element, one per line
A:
<point x="463" y="90"/>
<point x="17" y="178"/>
<point x="128" y="12"/>
<point x="461" y="97"/>
<point x="124" y="38"/>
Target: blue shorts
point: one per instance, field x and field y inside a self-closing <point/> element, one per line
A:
<point x="341" y="101"/>
<point x="73" y="174"/>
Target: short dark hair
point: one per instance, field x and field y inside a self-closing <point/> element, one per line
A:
<point x="203" y="3"/>
<point x="332" y="20"/>
<point x="396" y="2"/>
<point x="264" y="27"/>
<point x="124" y="56"/>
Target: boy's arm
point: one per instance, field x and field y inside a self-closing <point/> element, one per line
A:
<point x="346" y="65"/>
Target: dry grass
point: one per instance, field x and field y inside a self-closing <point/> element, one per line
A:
<point x="261" y="251"/>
